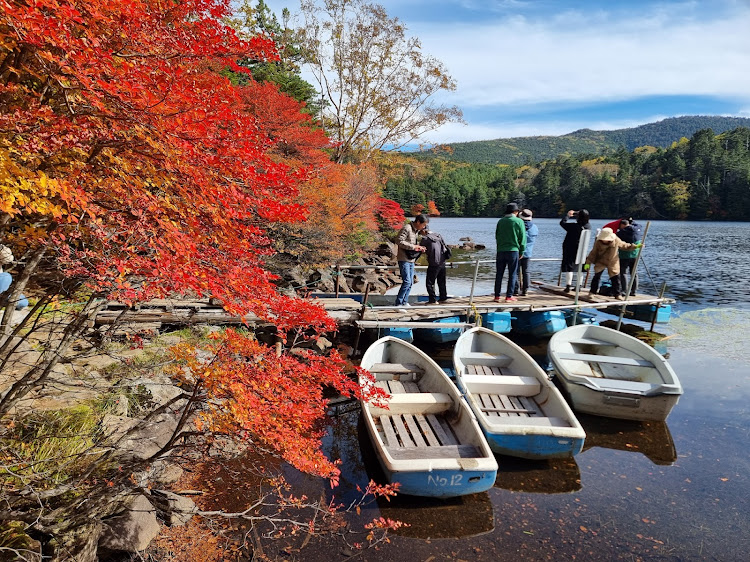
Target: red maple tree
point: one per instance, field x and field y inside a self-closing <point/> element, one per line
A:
<point x="132" y="167"/>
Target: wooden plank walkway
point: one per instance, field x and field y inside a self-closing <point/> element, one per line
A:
<point x="347" y="311"/>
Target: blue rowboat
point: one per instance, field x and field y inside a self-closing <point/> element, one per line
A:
<point x="520" y="411"/>
<point x="441" y="335"/>
<point x="499" y="322"/>
<point x="424" y="435"/>
<point x="539" y="324"/>
<point x="581" y="318"/>
<point x="405" y="334"/>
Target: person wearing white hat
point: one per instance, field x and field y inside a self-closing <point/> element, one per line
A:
<point x="603" y="256"/>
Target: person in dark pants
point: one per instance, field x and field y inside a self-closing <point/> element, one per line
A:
<point x="437" y="252"/>
<point x="570" y="243"/>
<point x="628" y="232"/>
<point x="510" y="236"/>
<point x="532" y="231"/>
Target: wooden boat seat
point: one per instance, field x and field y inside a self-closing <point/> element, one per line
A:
<point x="541" y="421"/>
<point x="396" y="368"/>
<point x="483" y="358"/>
<point x="398" y="386"/>
<point x="592" y="341"/>
<point x="415" y="403"/>
<point x="509" y="385"/>
<point x="631" y="387"/>
<point x="631" y="362"/>
<point x="439" y="452"/>
<point x="396" y="371"/>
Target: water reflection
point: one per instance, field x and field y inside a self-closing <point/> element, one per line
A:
<point x="460" y="517"/>
<point x="428" y="518"/>
<point x="553" y="476"/>
<point x="649" y="438"/>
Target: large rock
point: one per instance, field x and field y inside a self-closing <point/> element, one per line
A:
<point x="79" y="545"/>
<point x="146" y="439"/>
<point x="159" y="387"/>
<point x="133" y="529"/>
<point x="176" y="510"/>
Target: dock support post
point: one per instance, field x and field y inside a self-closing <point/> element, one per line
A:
<point x="632" y="278"/>
<point x="658" y="304"/>
<point x="474" y="282"/>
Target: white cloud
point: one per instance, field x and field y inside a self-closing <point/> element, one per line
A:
<point x="577" y="58"/>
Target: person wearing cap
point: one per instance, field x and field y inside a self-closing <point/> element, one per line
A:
<point x="532" y="231"/>
<point x="604" y="256"/>
<point x="510" y="236"/>
<point x="408" y="252"/>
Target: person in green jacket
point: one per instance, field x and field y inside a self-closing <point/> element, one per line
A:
<point x="510" y="235"/>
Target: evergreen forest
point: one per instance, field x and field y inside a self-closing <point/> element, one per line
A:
<point x="706" y="177"/>
<point x="522" y="150"/>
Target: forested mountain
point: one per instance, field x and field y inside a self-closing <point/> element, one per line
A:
<point x="520" y="150"/>
<point x="705" y="177"/>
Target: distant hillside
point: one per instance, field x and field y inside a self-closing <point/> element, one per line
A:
<point x="518" y="150"/>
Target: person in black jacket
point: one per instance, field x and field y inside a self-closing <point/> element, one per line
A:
<point x="570" y="244"/>
<point x="437" y="252"/>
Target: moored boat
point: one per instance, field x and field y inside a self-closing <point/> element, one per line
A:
<point x="424" y="435"/>
<point x="609" y="373"/>
<point x="539" y="324"/>
<point x="519" y="409"/>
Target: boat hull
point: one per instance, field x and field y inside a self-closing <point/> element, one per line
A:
<point x="536" y="447"/>
<point x="619" y="405"/>
<point x="520" y="411"/>
<point x="607" y="373"/>
<point x="539" y="324"/>
<point x="423" y="434"/>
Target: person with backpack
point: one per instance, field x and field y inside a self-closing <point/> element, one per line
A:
<point x="629" y="232"/>
<point x="437" y="253"/>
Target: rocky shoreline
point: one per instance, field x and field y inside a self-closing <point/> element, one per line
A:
<point x="378" y="270"/>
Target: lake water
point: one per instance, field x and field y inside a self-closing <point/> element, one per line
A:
<point x="678" y="490"/>
<point x="703" y="264"/>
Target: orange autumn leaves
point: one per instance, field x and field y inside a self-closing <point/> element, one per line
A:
<point x="141" y="171"/>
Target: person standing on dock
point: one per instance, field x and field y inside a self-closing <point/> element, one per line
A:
<point x="437" y="252"/>
<point x="629" y="232"/>
<point x="570" y="244"/>
<point x="604" y="256"/>
<point x="408" y="252"/>
<point x="532" y="231"/>
<point x="510" y="235"/>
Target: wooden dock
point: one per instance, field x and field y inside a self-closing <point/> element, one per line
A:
<point x="158" y="314"/>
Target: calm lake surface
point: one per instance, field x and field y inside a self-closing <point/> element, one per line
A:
<point x="678" y="490"/>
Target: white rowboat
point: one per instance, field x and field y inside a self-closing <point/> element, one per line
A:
<point x="426" y="438"/>
<point x="519" y="409"/>
<point x="608" y="373"/>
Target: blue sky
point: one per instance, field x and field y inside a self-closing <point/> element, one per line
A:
<point x="546" y="67"/>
